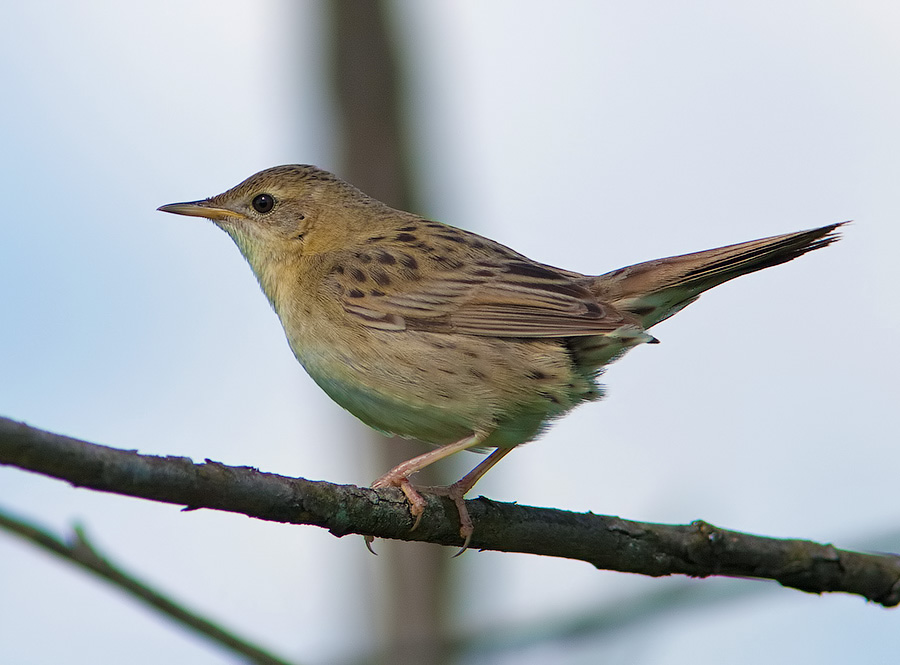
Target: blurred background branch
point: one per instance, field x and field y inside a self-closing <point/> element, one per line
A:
<point x="374" y="154"/>
<point x="78" y="549"/>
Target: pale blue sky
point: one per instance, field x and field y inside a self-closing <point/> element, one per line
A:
<point x="585" y="134"/>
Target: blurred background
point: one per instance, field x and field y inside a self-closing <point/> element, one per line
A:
<point x="588" y="135"/>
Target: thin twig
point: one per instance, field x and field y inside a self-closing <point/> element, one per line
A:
<point x="80" y="551"/>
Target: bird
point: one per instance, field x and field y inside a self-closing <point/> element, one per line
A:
<point x="428" y="331"/>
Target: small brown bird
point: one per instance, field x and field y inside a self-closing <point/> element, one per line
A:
<point x="428" y="331"/>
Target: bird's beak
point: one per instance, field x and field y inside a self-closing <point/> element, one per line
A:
<point x="199" y="209"/>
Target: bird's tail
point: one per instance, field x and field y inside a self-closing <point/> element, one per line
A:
<point x="655" y="290"/>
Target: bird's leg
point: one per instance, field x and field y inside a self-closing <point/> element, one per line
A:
<point x="458" y="490"/>
<point x="399" y="475"/>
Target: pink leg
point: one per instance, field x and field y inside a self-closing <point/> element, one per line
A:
<point x="468" y="481"/>
<point x="399" y="475"/>
<point x="458" y="490"/>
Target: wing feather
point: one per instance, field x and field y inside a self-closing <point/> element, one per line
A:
<point x="499" y="295"/>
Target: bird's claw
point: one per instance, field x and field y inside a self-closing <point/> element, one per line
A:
<point x="456" y="492"/>
<point x="415" y="500"/>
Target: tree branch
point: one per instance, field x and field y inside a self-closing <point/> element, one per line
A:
<point x="698" y="549"/>
<point x="79" y="550"/>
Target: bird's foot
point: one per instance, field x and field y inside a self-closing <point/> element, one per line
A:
<point x="417" y="504"/>
<point x="456" y="492"/>
<point x="399" y="477"/>
<point x="416" y="501"/>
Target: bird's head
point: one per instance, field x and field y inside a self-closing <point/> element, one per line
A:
<point x="288" y="211"/>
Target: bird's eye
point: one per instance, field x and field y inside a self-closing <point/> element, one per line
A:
<point x="263" y="203"/>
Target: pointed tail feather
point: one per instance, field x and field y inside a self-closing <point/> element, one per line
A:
<point x="655" y="290"/>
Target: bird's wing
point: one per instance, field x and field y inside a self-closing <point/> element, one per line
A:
<point x="494" y="295"/>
